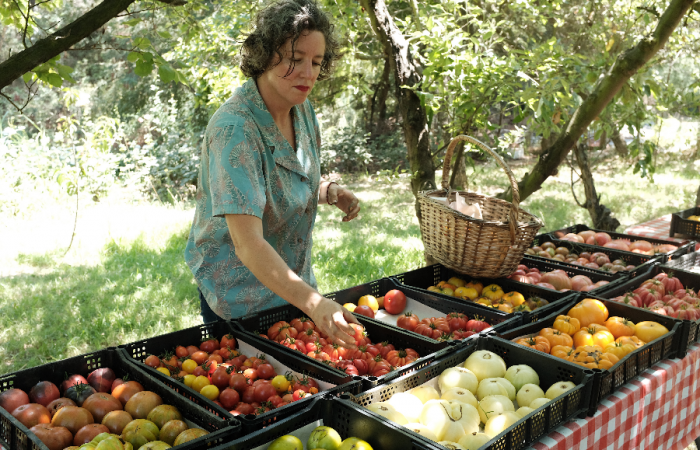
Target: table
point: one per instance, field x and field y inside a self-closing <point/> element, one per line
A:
<point x="658" y="228"/>
<point x="658" y="409"/>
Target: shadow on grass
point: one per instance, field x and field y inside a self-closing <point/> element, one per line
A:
<point x="138" y="292"/>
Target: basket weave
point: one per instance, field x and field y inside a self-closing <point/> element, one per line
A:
<point x="488" y="248"/>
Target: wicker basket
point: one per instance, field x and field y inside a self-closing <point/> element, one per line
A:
<point x="488" y="248"/>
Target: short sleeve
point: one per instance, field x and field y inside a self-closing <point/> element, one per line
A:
<point x="236" y="176"/>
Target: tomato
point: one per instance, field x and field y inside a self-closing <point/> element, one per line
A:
<point x="72" y="380"/>
<point x="200" y="382"/>
<point x="100" y="404"/>
<point x="401" y="357"/>
<point x="589" y="311"/>
<point x="302" y="324"/>
<point x="281" y="383"/>
<point x="142" y="403"/>
<point x="32" y="414"/>
<point x="266" y="371"/>
<point x="43" y="393"/>
<point x="171" y="430"/>
<point x="299" y="394"/>
<point x="125" y="391"/>
<point x="181" y="351"/>
<point x="199" y="357"/>
<point x="244" y="408"/>
<point x="301" y="384"/>
<point x="116" y="421"/>
<point x="394" y="301"/>
<point x="648" y="331"/>
<point x="477" y="325"/>
<point x="152" y="361"/>
<point x="228" y="341"/>
<point x="281" y="331"/>
<point x="55" y="438"/>
<point x="251" y="374"/>
<point x="308" y="336"/>
<point x="248" y="395"/>
<point x="221" y="377"/>
<point x="189" y="365"/>
<point x="364" y="310"/>
<point x="60" y="403"/>
<point x="88" y="433"/>
<point x="200" y="371"/>
<point x="79" y="393"/>
<point x="210" y="391"/>
<point x="408" y="321"/>
<point x="294" y="344"/>
<point x="192" y="349"/>
<point x="238" y="382"/>
<point x="164" y="371"/>
<point x="229" y="398"/>
<point x="101" y="379"/>
<point x="12" y="398"/>
<point x="263" y="392"/>
<point x="171" y="362"/>
<point x="72" y="417"/>
<point x="209" y="345"/>
<point x="457" y="321"/>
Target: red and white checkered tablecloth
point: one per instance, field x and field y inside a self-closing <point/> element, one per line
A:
<point x="657" y="229"/>
<point x="658" y="409"/>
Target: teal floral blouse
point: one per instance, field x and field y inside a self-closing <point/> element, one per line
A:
<point x="248" y="167"/>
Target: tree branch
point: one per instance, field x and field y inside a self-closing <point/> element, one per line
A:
<point x="625" y="66"/>
<point x="51" y="46"/>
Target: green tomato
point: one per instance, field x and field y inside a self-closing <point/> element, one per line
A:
<point x="325" y="438"/>
<point x="286" y="442"/>
<point x="354" y="444"/>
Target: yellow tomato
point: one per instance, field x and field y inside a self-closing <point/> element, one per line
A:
<point x="200" y="382"/>
<point x="350" y="306"/>
<point x="368" y="300"/>
<point x="648" y="331"/>
<point x="484" y="301"/>
<point x="457" y="282"/>
<point x="467" y="293"/>
<point x="210" y="391"/>
<point x="492" y="292"/>
<point x="163" y="370"/>
<point x="514" y="298"/>
<point x="189" y="379"/>
<point x="189" y="365"/>
<point x="280" y="383"/>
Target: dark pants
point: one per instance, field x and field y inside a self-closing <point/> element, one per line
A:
<point x="208" y="316"/>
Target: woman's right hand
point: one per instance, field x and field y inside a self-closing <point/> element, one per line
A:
<point x="333" y="320"/>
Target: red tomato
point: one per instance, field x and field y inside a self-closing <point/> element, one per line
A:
<point x="12" y="398"/>
<point x="299" y="394"/>
<point x="55" y="438"/>
<point x="60" y="403"/>
<point x="191" y="349"/>
<point x="364" y="311"/>
<point x="394" y="302"/>
<point x="209" y="345"/>
<point x="72" y="381"/>
<point x="199" y="357"/>
<point x="408" y="321"/>
<point x="238" y="382"/>
<point x="229" y="398"/>
<point x="181" y="351"/>
<point x="251" y="374"/>
<point x="244" y="408"/>
<point x="266" y="371"/>
<point x="228" y="341"/>
<point x="44" y="392"/>
<point x="263" y="392"/>
<point x="151" y="361"/>
<point x="32" y="414"/>
<point x="88" y="433"/>
<point x="221" y="378"/>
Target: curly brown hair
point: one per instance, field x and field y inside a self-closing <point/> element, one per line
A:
<point x="278" y="22"/>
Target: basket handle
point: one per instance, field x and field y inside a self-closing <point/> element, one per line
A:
<point x="513" y="214"/>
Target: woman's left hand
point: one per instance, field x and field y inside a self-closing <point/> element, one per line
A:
<point x="344" y="200"/>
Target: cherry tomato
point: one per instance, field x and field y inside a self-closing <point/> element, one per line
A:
<point x="238" y="382"/>
<point x="229" y="398"/>
<point x="263" y="392"/>
<point x="181" y="351"/>
<point x="251" y="374"/>
<point x="228" y="341"/>
<point x="152" y="361"/>
<point x="299" y="394"/>
<point x="209" y="345"/>
<point x="199" y="357"/>
<point x="210" y="391"/>
<point x="266" y="371"/>
<point x="189" y="365"/>
<point x="200" y="382"/>
<point x="281" y="383"/>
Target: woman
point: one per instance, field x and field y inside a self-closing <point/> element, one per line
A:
<point x="259" y="181"/>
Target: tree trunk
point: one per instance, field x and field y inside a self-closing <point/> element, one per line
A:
<point x="414" y="118"/>
<point x="626" y="65"/>
<point x="55" y="44"/>
<point x="458" y="177"/>
<point x="380" y="96"/>
<point x="603" y="144"/>
<point x="600" y="214"/>
<point x="620" y="144"/>
<point x="697" y="198"/>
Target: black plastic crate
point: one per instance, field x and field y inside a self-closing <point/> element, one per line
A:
<point x="421" y="279"/>
<point x="573" y="403"/>
<point x="683" y="247"/>
<point x="690" y="281"/>
<point x="500" y="321"/>
<point x="260" y="322"/>
<point x="139" y="350"/>
<point x="608" y="381"/>
<point x="681" y="225"/>
<point x="346" y="418"/>
<point x="689" y="262"/>
<point x="641" y="262"/>
<point x="15" y="436"/>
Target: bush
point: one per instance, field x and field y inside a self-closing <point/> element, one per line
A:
<point x="350" y="150"/>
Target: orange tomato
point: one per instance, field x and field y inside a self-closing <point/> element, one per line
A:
<point x="620" y="350"/>
<point x="593" y="335"/>
<point x="620" y="326"/>
<point x="634" y="340"/>
<point x="476" y="285"/>
<point x="535" y="342"/>
<point x="556" y="337"/>
<point x="589" y="311"/>
<point x="566" y="324"/>
<point x="562" y="351"/>
<point x="648" y="331"/>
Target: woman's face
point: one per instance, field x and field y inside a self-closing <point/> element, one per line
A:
<point x="293" y="89"/>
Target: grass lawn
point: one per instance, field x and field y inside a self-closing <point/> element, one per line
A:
<point x="125" y="278"/>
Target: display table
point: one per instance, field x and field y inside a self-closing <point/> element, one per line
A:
<point x="657" y="229"/>
<point x="659" y="409"/>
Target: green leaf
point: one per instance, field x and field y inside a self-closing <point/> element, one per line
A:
<point x="133" y="57"/>
<point x="54" y="79"/>
<point x="143" y="68"/>
<point x="166" y="73"/>
<point x="165" y="35"/>
<point x="27" y="77"/>
<point x="64" y="72"/>
<point x="133" y="22"/>
<point x="591" y="77"/>
<point x="142" y="43"/>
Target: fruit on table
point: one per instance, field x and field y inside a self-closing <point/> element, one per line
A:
<point x="364" y="310"/>
<point x="665" y="294"/>
<point x="455" y="326"/>
<point x="603" y="239"/>
<point x="592" y="260"/>
<point x="368" y="300"/>
<point x="394" y="301"/>
<point x="324" y="438"/>
<point x="492" y="295"/>
<point x="485" y="364"/>
<point x="695" y="218"/>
